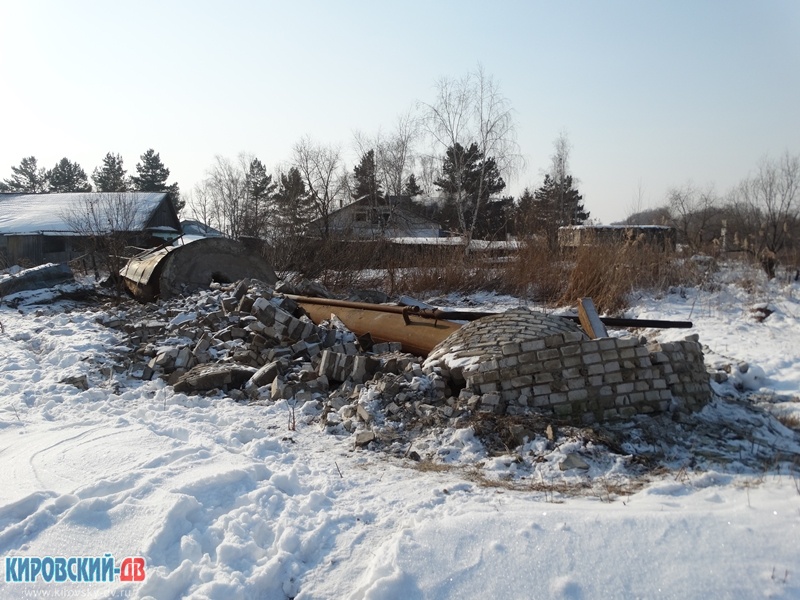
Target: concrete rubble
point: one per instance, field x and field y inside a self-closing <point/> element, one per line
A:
<point x="254" y="344"/>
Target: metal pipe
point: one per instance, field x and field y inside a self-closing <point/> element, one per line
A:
<point x="466" y="315"/>
<point x="383" y="323"/>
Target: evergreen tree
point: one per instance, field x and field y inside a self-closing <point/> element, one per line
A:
<point x="67" y="176"/>
<point x="525" y="208"/>
<point x="27" y="178"/>
<point x="468" y="180"/>
<point x="259" y="189"/>
<point x="411" y="187"/>
<point x="111" y="177"/>
<point x="152" y="176"/>
<point x="258" y="183"/>
<point x="556" y="205"/>
<point x="365" y="174"/>
<point x="497" y="222"/>
<point x="293" y="204"/>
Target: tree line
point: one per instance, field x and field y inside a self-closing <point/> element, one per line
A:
<point x="457" y="152"/>
<point x="760" y="216"/>
<point x="460" y="149"/>
<point x="68" y="177"/>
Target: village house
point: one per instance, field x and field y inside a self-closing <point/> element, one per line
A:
<point x="392" y="217"/>
<point x="41" y="228"/>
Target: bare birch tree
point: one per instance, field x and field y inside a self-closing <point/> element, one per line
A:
<point x="473" y="110"/>
<point x="225" y="187"/>
<point x="394" y="153"/>
<point x="236" y="196"/>
<point x="201" y="206"/>
<point x="325" y="177"/>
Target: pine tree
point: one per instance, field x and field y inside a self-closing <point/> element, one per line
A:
<point x="293" y="205"/>
<point x="27" y="178"/>
<point x="497" y="221"/>
<point x="66" y="177"/>
<point x="525" y="210"/>
<point x="468" y="180"/>
<point x="365" y="174"/>
<point x="111" y="177"/>
<point x="556" y="205"/>
<point x="411" y="187"/>
<point x="259" y="189"/>
<point x="259" y="184"/>
<point x="152" y="177"/>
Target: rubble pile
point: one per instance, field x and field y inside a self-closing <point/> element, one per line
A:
<point x="254" y="344"/>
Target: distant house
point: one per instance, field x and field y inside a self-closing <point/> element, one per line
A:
<point x="41" y="228"/>
<point x="393" y="217"/>
<point x="198" y="229"/>
<point x="587" y="235"/>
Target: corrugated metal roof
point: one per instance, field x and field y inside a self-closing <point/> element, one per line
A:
<point x="32" y="213"/>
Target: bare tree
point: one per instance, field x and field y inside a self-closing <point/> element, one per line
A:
<point x="430" y="171"/>
<point x="108" y="221"/>
<point x="394" y="153"/>
<point x="325" y="177"/>
<point x="225" y="190"/>
<point x="236" y="196"/>
<point x="695" y="214"/>
<point x="768" y="203"/>
<point x="201" y="205"/>
<point x="563" y="180"/>
<point x="394" y="161"/>
<point x="473" y="110"/>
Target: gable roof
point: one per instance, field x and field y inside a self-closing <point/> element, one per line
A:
<point x="397" y="205"/>
<point x="34" y="213"/>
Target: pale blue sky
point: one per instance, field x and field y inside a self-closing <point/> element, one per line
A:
<point x="650" y="93"/>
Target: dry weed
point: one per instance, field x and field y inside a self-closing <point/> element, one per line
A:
<point x="792" y="421"/>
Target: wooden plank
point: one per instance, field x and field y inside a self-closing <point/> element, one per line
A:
<point x="590" y="320"/>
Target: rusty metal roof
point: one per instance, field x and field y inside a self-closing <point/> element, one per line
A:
<point x="141" y="267"/>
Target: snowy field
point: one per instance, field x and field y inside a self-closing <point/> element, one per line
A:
<point x="223" y="500"/>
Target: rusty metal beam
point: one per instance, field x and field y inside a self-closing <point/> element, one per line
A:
<point x="383" y="323"/>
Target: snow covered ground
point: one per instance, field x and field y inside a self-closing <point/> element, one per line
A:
<point x="223" y="500"/>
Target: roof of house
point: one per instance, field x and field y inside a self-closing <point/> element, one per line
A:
<point x="199" y="229"/>
<point x="396" y="204"/>
<point x="37" y="213"/>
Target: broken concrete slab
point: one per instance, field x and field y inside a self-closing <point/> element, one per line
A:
<point x="79" y="381"/>
<point x="214" y="376"/>
<point x="573" y="461"/>
<point x="364" y="437"/>
<point x="44" y="276"/>
<point x="266" y="374"/>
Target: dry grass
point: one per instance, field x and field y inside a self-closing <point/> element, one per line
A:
<point x="450" y="270"/>
<point x="607" y="273"/>
<point x="792" y="421"/>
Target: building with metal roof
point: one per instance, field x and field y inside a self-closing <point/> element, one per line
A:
<point x="41" y="228"/>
